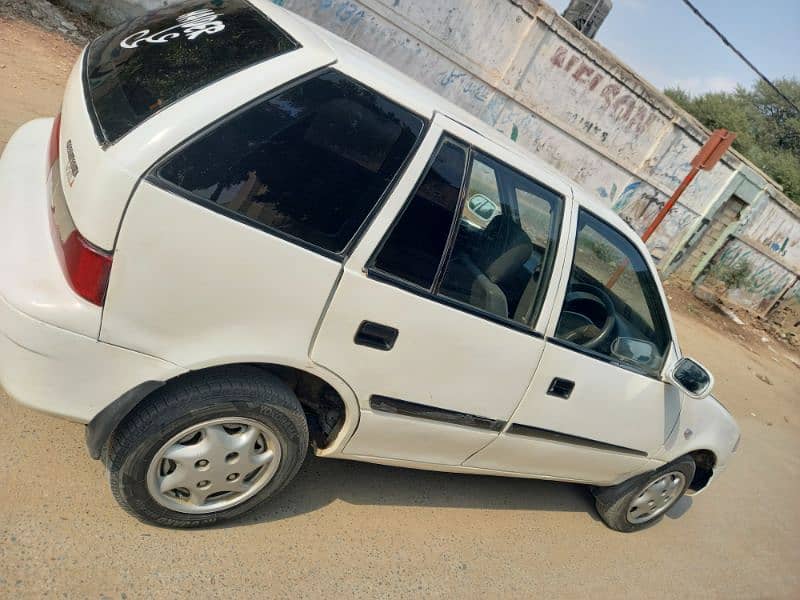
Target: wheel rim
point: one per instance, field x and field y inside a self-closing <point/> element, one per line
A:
<point x="657" y="497"/>
<point x="213" y="465"/>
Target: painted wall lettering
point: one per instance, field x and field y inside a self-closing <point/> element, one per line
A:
<point x="624" y="107"/>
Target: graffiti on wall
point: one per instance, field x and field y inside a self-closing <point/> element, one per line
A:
<point x="777" y="231"/>
<point x="750" y="278"/>
<point x="343" y="11"/>
<point x="468" y="85"/>
<point x="619" y="203"/>
<point x="638" y="204"/>
<point x="774" y="246"/>
<point x="623" y="106"/>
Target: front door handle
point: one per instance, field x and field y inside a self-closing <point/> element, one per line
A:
<point x="375" y="335"/>
<point x="561" y="388"/>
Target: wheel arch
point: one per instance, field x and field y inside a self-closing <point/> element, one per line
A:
<point x="330" y="404"/>
<point x="704" y="461"/>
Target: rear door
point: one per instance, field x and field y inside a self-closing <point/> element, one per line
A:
<point x="597" y="408"/>
<point x="435" y="320"/>
<point x="232" y="244"/>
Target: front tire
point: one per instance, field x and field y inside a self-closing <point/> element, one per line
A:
<point x="207" y="448"/>
<point x="644" y="500"/>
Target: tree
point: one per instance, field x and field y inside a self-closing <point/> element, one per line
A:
<point x="768" y="127"/>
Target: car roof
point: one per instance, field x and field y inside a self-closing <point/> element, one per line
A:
<point x="427" y="103"/>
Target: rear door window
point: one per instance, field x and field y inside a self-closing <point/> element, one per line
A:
<point x="413" y="251"/>
<point x="310" y="163"/>
<point x="146" y="64"/>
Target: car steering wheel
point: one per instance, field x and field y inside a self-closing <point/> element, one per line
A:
<point x="588" y="330"/>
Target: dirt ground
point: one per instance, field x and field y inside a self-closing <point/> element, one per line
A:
<point x="349" y="529"/>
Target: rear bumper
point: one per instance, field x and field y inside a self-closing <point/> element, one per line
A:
<point x="50" y="358"/>
<point x="67" y="374"/>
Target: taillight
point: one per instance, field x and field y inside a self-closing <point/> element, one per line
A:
<point x="87" y="268"/>
<point x="55" y="136"/>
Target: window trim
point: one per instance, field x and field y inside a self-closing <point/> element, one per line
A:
<point x="377" y="274"/>
<point x="153" y="176"/>
<point x="450" y="244"/>
<point x="661" y="315"/>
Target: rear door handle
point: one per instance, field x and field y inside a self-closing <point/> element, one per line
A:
<point x="375" y="335"/>
<point x="561" y="388"/>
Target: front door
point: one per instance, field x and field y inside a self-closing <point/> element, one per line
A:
<point x="434" y="321"/>
<point x="597" y="408"/>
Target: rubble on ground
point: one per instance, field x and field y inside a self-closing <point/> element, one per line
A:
<point x="74" y="27"/>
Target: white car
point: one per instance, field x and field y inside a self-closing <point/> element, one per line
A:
<point x="246" y="237"/>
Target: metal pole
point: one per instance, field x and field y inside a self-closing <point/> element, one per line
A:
<point x="657" y="221"/>
<point x="670" y="203"/>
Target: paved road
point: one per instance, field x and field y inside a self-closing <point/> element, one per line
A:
<point x="348" y="529"/>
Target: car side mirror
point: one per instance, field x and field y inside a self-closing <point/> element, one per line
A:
<point x="692" y="377"/>
<point x="633" y="350"/>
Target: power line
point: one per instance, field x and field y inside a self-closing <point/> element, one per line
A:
<point x="725" y="41"/>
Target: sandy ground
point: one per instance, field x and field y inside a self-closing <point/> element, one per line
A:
<point x="349" y="529"/>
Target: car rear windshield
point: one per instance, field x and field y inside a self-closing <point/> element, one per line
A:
<point x="146" y="64"/>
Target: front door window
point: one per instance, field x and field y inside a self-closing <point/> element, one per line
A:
<point x="484" y="242"/>
<point x="612" y="306"/>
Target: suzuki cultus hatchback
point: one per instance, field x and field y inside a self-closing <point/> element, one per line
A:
<point x="243" y="236"/>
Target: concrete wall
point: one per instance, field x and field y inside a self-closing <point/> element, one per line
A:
<point x="523" y="69"/>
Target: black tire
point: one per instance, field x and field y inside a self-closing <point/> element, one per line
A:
<point x="245" y="392"/>
<point x="613" y="502"/>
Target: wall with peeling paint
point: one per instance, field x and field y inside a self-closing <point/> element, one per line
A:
<point x="523" y="69"/>
<point x="757" y="279"/>
<point x="775" y="228"/>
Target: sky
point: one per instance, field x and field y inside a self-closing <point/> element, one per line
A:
<point x="669" y="46"/>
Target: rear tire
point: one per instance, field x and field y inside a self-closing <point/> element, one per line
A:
<point x="207" y="448"/>
<point x="644" y="500"/>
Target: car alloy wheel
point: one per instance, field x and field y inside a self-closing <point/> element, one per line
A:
<point x="213" y="465"/>
<point x="657" y="497"/>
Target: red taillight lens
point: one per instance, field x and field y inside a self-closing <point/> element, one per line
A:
<point x="87" y="268"/>
<point x="55" y="137"/>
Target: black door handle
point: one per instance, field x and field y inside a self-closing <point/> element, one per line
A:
<point x="375" y="335"/>
<point x="561" y="388"/>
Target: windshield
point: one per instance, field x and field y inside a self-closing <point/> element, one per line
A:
<point x="146" y="64"/>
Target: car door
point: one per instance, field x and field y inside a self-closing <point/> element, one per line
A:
<point x="597" y="408"/>
<point x="431" y="322"/>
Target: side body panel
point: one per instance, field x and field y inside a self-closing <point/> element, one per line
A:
<point x="197" y="288"/>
